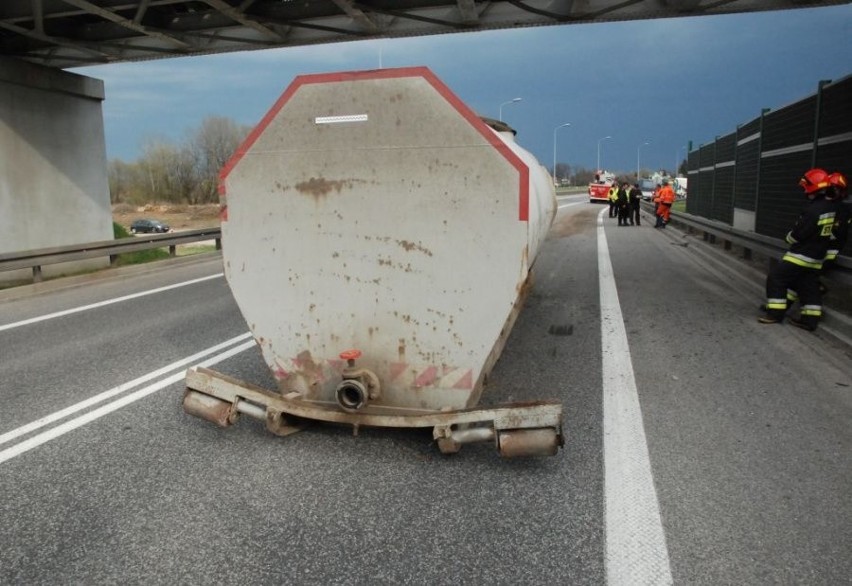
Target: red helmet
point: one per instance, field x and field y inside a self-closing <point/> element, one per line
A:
<point x="814" y="180"/>
<point x="838" y="182"/>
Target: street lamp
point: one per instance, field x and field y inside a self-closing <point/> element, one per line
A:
<point x="554" y="148"/>
<point x="512" y="101"/>
<point x="599" y="151"/>
<point x="637" y="157"/>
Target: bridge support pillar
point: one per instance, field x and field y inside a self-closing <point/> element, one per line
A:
<point x="54" y="189"/>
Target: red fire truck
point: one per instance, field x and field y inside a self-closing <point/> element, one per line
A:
<point x="599" y="188"/>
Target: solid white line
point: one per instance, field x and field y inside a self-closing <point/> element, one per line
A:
<point x="636" y="550"/>
<point x="73" y="424"/>
<point x="103" y="303"/>
<point x="38" y="423"/>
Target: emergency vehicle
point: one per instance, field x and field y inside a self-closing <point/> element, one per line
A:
<point x="599" y="188"/>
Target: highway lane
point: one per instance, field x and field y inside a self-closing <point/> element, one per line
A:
<point x="747" y="432"/>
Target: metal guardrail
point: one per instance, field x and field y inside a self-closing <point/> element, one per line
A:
<point x="35" y="259"/>
<point x="750" y="242"/>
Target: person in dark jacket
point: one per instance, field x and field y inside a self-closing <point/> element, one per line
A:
<point x="821" y="227"/>
<point x="622" y="204"/>
<point x="633" y="198"/>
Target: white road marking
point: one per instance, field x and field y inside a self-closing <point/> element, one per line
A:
<point x="103" y="303"/>
<point x="95" y="414"/>
<point x="62" y="414"/>
<point x="636" y="551"/>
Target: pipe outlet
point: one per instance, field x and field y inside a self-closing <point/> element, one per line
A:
<point x="352" y="394"/>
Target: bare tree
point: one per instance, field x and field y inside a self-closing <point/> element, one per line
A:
<point x="212" y="145"/>
<point x="583" y="176"/>
<point x="185" y="173"/>
<point x="125" y="185"/>
<point x="563" y="171"/>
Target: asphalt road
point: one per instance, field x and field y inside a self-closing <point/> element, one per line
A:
<point x="745" y="431"/>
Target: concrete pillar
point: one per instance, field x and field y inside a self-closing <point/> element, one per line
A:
<point x="53" y="169"/>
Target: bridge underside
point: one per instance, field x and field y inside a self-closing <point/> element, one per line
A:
<point x="71" y="33"/>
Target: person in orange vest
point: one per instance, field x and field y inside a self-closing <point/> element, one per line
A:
<point x="656" y="199"/>
<point x="665" y="199"/>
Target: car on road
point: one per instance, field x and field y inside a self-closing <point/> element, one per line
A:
<point x="146" y="226"/>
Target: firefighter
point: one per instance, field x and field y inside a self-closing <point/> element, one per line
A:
<point x="837" y="191"/>
<point x="820" y="231"/>
<point x="655" y="198"/>
<point x="665" y="198"/>
<point x="612" y="195"/>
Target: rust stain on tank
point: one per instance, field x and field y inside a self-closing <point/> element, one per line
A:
<point x="409" y="246"/>
<point x="320" y="186"/>
<point x="305" y="361"/>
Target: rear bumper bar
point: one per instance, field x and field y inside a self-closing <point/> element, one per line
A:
<point x="517" y="429"/>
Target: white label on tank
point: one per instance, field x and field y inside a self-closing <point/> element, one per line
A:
<point x="339" y="119"/>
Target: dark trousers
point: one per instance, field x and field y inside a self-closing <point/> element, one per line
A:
<point x="623" y="215"/>
<point x="634" y="215"/>
<point x="613" y="209"/>
<point x="786" y="276"/>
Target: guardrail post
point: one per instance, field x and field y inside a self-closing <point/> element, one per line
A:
<point x="218" y="244"/>
<point x="747" y="253"/>
<point x="173" y="250"/>
<point x="727" y="244"/>
<point x="37" y="274"/>
<point x="113" y="260"/>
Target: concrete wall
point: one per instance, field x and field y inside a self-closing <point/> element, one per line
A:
<point x="53" y="170"/>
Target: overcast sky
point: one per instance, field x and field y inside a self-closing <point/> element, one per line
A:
<point x="665" y="81"/>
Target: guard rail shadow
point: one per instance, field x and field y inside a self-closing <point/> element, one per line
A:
<point x="36" y="259"/>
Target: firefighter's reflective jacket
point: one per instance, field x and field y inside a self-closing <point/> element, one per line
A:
<point x="820" y="231"/>
<point x="613" y="193"/>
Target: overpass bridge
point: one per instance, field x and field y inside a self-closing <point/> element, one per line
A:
<point x="70" y="33"/>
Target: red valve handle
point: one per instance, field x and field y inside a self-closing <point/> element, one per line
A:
<point x="350" y="354"/>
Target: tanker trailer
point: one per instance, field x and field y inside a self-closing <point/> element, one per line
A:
<point x="378" y="238"/>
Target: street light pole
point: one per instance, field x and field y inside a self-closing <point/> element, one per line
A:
<point x="599" y="151"/>
<point x="637" y="158"/>
<point x="554" y="148"/>
<point x="512" y="101"/>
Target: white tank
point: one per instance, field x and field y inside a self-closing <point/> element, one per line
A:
<point x="374" y="211"/>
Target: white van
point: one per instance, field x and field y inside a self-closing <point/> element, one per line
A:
<point x="647" y="186"/>
<point x="680" y="187"/>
